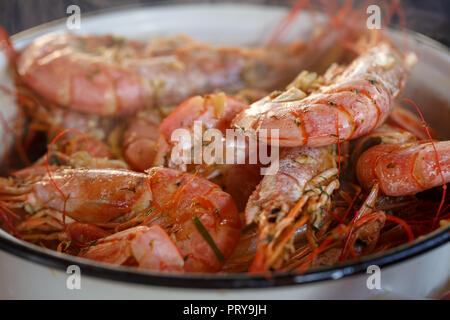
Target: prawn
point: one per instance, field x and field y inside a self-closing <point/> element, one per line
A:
<point x="109" y="75"/>
<point x="361" y="96"/>
<point x="295" y="195"/>
<point x="202" y="219"/>
<point x="150" y="248"/>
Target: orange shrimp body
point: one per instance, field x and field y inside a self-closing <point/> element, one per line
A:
<point x="189" y="208"/>
<point x="140" y="141"/>
<point x="147" y="142"/>
<point x="202" y="202"/>
<point x="148" y="248"/>
<point x="83" y="72"/>
<point x="92" y="195"/>
<point x="358" y="100"/>
<point x="213" y="111"/>
<point x="405" y="169"/>
<point x="106" y="75"/>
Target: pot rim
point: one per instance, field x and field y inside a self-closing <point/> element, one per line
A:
<point x="61" y="261"/>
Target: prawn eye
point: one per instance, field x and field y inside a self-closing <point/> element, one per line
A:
<point x="273" y="214"/>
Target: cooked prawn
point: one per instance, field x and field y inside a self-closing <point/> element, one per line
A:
<point x="358" y="99"/>
<point x="107" y="75"/>
<point x="405" y="169"/>
<point x="211" y="111"/>
<point x="149" y="248"/>
<point x="296" y="195"/>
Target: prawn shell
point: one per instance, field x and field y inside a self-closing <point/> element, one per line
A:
<point x="201" y="109"/>
<point x="358" y="101"/>
<point x="92" y="195"/>
<point x="154" y="249"/>
<point x="150" y="247"/>
<point x="56" y="66"/>
<point x="200" y="198"/>
<point x="296" y="167"/>
<point x="405" y="169"/>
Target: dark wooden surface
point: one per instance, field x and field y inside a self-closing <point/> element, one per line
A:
<point x="430" y="17"/>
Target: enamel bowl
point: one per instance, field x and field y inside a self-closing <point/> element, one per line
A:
<point x="417" y="270"/>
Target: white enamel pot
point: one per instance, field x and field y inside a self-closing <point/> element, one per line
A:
<point x="417" y="270"/>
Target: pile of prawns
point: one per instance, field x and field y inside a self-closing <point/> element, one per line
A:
<point x="352" y="160"/>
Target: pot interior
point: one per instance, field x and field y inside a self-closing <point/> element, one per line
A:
<point x="240" y="24"/>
